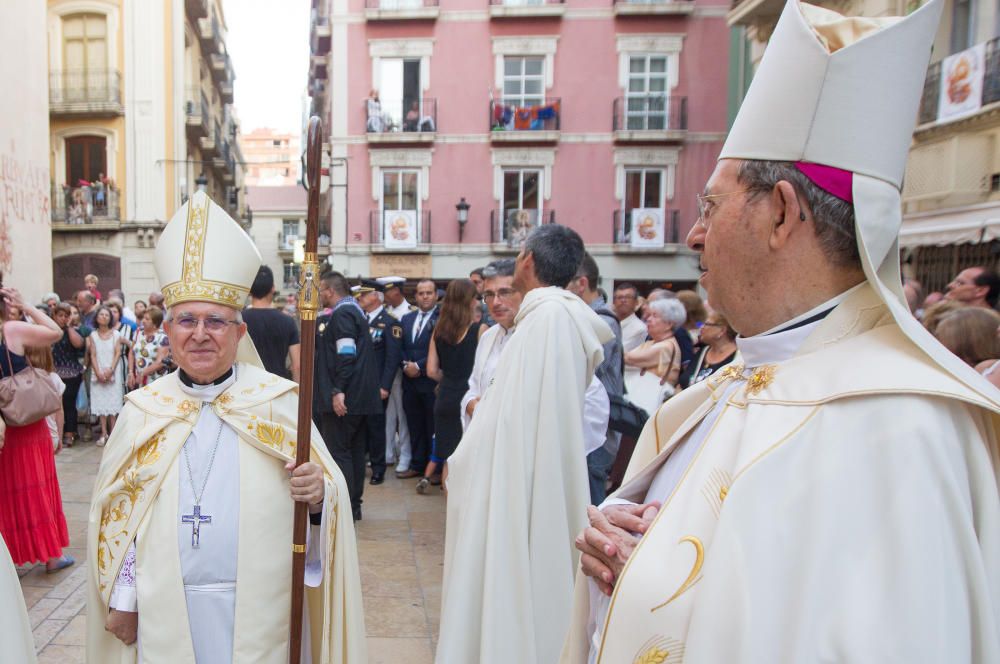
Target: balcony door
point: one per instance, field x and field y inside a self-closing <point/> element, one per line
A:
<point x="85" y="74"/>
<point x="399" y="88"/>
<point x="400" y="208"/>
<point x="523" y="80"/>
<point x="521" y="204"/>
<point x="644" y="190"/>
<point x="646" y="96"/>
<point x="86" y="159"/>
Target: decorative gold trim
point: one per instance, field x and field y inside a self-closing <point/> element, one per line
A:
<point x="229" y="295"/>
<point x="298" y="548"/>
<point x="693" y="577"/>
<point x="760" y="379"/>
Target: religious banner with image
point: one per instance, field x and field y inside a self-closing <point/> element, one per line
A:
<point x="647" y="228"/>
<point x="399" y="229"/>
<point x="962" y="83"/>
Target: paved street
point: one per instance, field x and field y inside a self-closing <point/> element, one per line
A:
<point x="401" y="548"/>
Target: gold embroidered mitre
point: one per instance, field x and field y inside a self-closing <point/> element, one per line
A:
<point x="205" y="256"/>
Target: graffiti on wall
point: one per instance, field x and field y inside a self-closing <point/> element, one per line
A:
<point x="24" y="199"/>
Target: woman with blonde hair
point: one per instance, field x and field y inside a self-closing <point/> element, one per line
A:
<point x="41" y="358"/>
<point x="971" y="334"/>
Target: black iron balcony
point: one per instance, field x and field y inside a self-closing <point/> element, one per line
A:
<point x="511" y="226"/>
<point x="96" y="203"/>
<point x="624" y="222"/>
<point x="398" y="10"/>
<point x="394" y="120"/>
<point x="525" y="117"/>
<point x="78" y="92"/>
<point x="319" y="39"/>
<point x="196" y="113"/>
<point x="515" y="8"/>
<point x="650" y="113"/>
<point x="647" y="7"/>
<point x="399" y="229"/>
<point x="209" y="35"/>
<point x="931" y="100"/>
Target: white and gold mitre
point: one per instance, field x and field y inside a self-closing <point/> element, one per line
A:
<point x="205" y="256"/>
<point x="838" y="91"/>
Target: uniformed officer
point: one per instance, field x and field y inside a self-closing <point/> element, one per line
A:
<point x="386" y="334"/>
<point x="397" y="432"/>
<point x="345" y="377"/>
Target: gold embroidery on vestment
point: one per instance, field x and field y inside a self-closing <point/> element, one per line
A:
<point x="760" y="379"/>
<point x="186" y="407"/>
<point x="271" y="435"/>
<point x="716" y="488"/>
<point x="693" y="576"/>
<point x="660" y="650"/>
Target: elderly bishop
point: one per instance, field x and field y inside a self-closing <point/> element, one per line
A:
<point x="190" y="530"/>
<point x="832" y="495"/>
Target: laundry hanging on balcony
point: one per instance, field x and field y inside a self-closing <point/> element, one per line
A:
<point x="524" y="118"/>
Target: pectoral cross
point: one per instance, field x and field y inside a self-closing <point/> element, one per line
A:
<point x="195" y="520"/>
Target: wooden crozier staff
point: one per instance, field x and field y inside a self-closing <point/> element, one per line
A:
<point x="308" y="306"/>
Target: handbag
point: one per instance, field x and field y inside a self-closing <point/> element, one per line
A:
<point x="625" y="417"/>
<point x="28" y="395"/>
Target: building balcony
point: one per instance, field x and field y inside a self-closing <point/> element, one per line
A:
<point x="400" y="230"/>
<point x="401" y="121"/>
<point x="624" y="222"/>
<point x="649" y="118"/>
<point x="197" y="117"/>
<point x="319" y="39"/>
<point x="755" y="13"/>
<point x="210" y="144"/>
<point x="196" y="9"/>
<point x="286" y="246"/>
<point x="510" y="227"/>
<point x="931" y="99"/>
<point x="85" y="208"/>
<point x="401" y="10"/>
<point x="85" y="92"/>
<point x="318" y="67"/>
<point x="652" y="7"/>
<point x="527" y="8"/>
<point x="219" y="66"/>
<point x="525" y="123"/>
<point x="209" y="35"/>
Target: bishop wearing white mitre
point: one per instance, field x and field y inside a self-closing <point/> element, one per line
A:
<point x="832" y="495"/>
<point x="190" y="530"/>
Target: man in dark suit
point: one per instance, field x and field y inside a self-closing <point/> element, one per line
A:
<point x="387" y="334"/>
<point x="418" y="389"/>
<point x="345" y="380"/>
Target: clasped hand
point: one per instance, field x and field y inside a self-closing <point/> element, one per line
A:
<point x="609" y="541"/>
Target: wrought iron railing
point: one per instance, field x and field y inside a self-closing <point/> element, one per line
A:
<point x="400" y="5"/>
<point x="622" y="224"/>
<point x="511" y="226"/>
<point x="649" y="112"/>
<point x="525" y="3"/>
<point x="395" y="225"/>
<point x="94" y="204"/>
<point x="84" y="88"/>
<point x="540" y="114"/>
<point x="394" y="115"/>
<point x="196" y="109"/>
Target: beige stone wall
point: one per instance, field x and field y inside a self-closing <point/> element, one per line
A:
<point x="25" y="220"/>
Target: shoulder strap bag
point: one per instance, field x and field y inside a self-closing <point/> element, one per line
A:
<point x="28" y="395"/>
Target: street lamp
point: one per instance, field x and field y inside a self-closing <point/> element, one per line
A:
<point x="463" y="216"/>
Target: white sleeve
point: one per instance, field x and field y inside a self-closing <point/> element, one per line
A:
<point x="474" y="391"/>
<point x="57" y="382"/>
<point x="596" y="411"/>
<point x="123" y="596"/>
<point x="316" y="546"/>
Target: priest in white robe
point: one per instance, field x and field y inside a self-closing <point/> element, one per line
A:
<point x="833" y="494"/>
<point x="517" y="488"/>
<point x="190" y="531"/>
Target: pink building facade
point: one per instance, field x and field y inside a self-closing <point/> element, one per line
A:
<point x="603" y="116"/>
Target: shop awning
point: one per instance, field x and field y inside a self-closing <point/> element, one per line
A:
<point x="972" y="224"/>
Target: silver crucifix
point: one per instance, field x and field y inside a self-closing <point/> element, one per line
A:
<point x="195" y="520"/>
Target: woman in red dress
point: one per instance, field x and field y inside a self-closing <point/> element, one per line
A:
<point x="31" y="516"/>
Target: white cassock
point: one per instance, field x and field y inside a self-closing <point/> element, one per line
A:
<point x="16" y="641"/>
<point x="209" y="570"/>
<point x="493" y="341"/>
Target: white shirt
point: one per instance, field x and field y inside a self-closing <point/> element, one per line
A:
<point x="400" y="311"/>
<point x="633" y="333"/>
<point x="373" y="315"/>
<point x="491" y="344"/>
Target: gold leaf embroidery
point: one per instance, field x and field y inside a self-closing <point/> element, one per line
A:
<point x="271" y="435"/>
<point x="693" y="576"/>
<point x="731" y="371"/>
<point x="653" y="656"/>
<point x="149" y="453"/>
<point x="224" y="399"/>
<point x="723" y="492"/>
<point x="186" y="407"/>
<point x="760" y="379"/>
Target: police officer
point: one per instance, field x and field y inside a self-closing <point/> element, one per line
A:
<point x="386" y="334"/>
<point x="346" y="381"/>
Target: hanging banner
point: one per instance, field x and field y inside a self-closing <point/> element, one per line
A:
<point x="647" y="228"/>
<point x="962" y="83"/>
<point x="399" y="230"/>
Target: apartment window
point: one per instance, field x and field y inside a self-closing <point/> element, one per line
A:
<point x="522" y="203"/>
<point x="85" y="56"/>
<point x="643" y="188"/>
<point x="399" y="87"/>
<point x="291" y="275"/>
<point x="523" y="80"/>
<point x="289" y="232"/>
<point x="400" y="189"/>
<point x="963" y="24"/>
<point x="86" y="159"/>
<point x="646" y="94"/>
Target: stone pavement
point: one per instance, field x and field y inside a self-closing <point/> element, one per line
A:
<point x="400" y="547"/>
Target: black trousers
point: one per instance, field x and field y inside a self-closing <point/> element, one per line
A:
<point x="419" y="409"/>
<point x="69" y="403"/>
<point x="346" y="438"/>
<point x="376" y="440"/>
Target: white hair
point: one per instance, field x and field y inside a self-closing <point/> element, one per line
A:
<point x="168" y="315"/>
<point x="670" y="310"/>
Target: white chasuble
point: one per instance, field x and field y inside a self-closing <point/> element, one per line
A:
<point x="227" y="600"/>
<point x="518" y="491"/>
<point x="842" y="506"/>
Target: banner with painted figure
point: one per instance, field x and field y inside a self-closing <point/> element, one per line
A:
<point x="647" y="228"/>
<point x="399" y="230"/>
<point x="962" y="83"/>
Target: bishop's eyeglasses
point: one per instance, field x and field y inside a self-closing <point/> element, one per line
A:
<point x="213" y="324"/>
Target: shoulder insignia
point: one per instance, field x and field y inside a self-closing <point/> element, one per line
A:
<point x="397" y="332"/>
